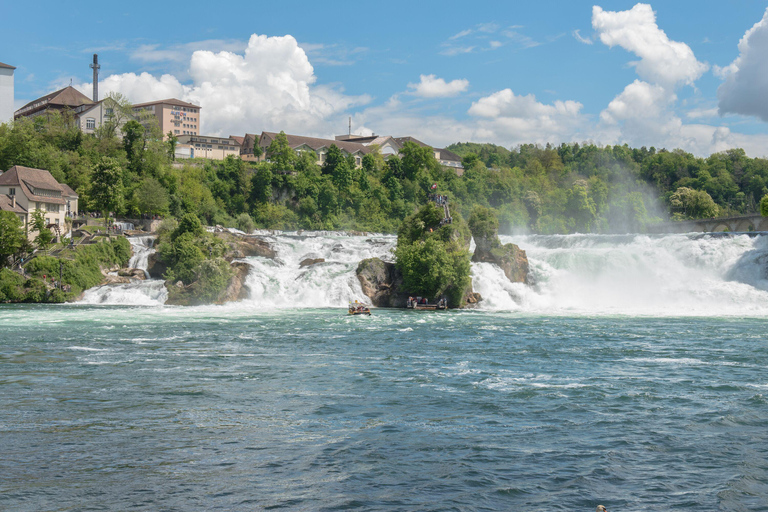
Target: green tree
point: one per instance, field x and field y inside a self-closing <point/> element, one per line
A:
<point x="12" y="237"/>
<point x="172" y="142"/>
<point x="189" y="223"/>
<point x="106" y="189"/>
<point x="280" y="153"/>
<point x="151" y="197"/>
<point x="764" y="206"/>
<point x="688" y="203"/>
<point x="44" y="235"/>
<point x="261" y="185"/>
<point x="118" y="111"/>
<point x="133" y="143"/>
<point x="333" y="158"/>
<point x="484" y="226"/>
<point x="245" y="223"/>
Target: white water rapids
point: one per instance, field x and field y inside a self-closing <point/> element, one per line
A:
<point x="671" y="275"/>
<point x="149" y="292"/>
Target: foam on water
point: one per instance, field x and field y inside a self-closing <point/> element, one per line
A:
<point x="672" y="275"/>
<point x="332" y="283"/>
<point x="149" y="292"/>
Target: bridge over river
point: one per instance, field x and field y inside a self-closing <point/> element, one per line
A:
<point x="737" y="223"/>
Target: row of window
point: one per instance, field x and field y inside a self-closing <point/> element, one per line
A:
<point x="48" y="207"/>
<point x="184" y="109"/>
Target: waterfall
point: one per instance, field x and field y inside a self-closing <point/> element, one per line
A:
<point x="660" y="275"/>
<point x="634" y="274"/>
<point x="142" y="246"/>
<point x="147" y="292"/>
<point x="333" y="283"/>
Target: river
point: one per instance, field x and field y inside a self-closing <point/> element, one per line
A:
<point x="632" y="374"/>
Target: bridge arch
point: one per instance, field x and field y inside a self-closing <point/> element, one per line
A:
<point x="744" y="225"/>
<point x="721" y="227"/>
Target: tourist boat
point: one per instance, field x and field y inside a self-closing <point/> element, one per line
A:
<point x="358" y="308"/>
<point x="423" y="303"/>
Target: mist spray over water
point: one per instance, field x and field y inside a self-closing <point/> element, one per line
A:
<point x="635" y="275"/>
<point x="670" y="275"/>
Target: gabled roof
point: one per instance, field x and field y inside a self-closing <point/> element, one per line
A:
<point x="66" y="97"/>
<point x="237" y="139"/>
<point x="6" y="66"/>
<point x="403" y="140"/>
<point x="67" y="190"/>
<point x="6" y="205"/>
<point x="28" y="179"/>
<point x="169" y="101"/>
<point x="448" y="155"/>
<point x="297" y="140"/>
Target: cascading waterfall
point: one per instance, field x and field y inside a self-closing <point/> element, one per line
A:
<point x="332" y="283"/>
<point x="634" y="275"/>
<point x="148" y="292"/>
<point x="142" y="246"/>
<point x="675" y="275"/>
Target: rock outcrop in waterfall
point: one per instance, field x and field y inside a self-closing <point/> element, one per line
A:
<point x="488" y="249"/>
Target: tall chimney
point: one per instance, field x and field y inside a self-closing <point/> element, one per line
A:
<point x="350" y="125"/>
<point x="95" y="66"/>
<point x="14" y="200"/>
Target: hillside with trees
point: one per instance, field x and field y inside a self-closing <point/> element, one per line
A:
<point x="563" y="189"/>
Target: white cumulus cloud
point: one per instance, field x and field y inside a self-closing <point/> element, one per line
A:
<point x="269" y="86"/>
<point x="517" y="118"/>
<point x="662" y="60"/>
<point x="746" y="78"/>
<point x="432" y="87"/>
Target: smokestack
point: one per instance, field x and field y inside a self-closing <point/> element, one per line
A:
<point x="14" y="200"/>
<point x="95" y="66"/>
<point x="350" y="125"/>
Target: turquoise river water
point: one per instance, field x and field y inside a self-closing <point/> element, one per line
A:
<point x="536" y="402"/>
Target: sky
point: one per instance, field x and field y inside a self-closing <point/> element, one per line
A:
<point x="675" y="74"/>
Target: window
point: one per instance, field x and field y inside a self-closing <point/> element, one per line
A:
<point x="11" y="191"/>
<point x="109" y="112"/>
<point x="175" y="131"/>
<point x="90" y="123"/>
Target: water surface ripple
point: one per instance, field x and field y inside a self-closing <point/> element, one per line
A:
<point x="115" y="408"/>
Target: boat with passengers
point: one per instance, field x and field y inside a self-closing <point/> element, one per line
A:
<point x="423" y="303"/>
<point x="358" y="308"/>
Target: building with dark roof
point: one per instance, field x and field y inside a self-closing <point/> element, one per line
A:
<point x="392" y="145"/>
<point x="68" y="99"/>
<point x="320" y="146"/>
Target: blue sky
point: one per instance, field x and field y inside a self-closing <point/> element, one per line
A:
<point x="667" y="74"/>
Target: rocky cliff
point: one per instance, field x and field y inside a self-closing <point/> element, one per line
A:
<point x="512" y="260"/>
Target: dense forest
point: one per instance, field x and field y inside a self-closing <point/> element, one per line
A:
<point x="553" y="189"/>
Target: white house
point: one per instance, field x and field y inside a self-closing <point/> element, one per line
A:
<point x="6" y="93"/>
<point x="24" y="191"/>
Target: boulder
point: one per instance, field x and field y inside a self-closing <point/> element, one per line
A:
<point x="180" y="294"/>
<point x="134" y="273"/>
<point x="155" y="266"/>
<point x="306" y="262"/>
<point x="236" y="290"/>
<point x="245" y="246"/>
<point x="381" y="283"/>
<point x="473" y="298"/>
<point x="110" y="279"/>
<point x="512" y="260"/>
